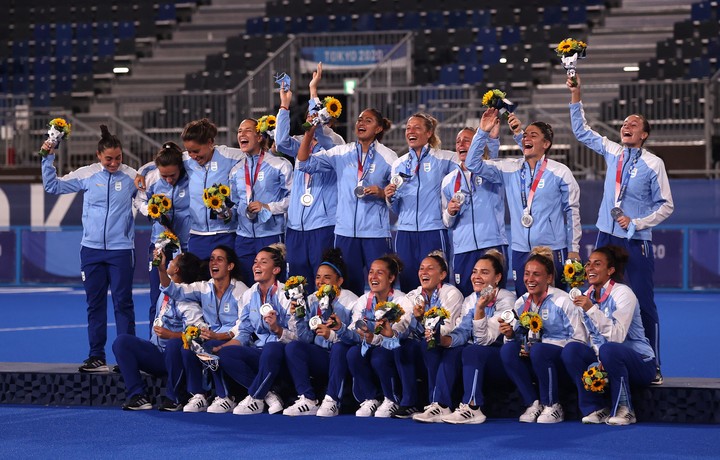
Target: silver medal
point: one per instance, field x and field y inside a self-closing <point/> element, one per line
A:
<point x="314" y="322"/>
<point x="307" y="199"/>
<point x="359" y="191"/>
<point x="574" y="293"/>
<point x="616" y="213"/>
<point x="250" y="215"/>
<point x="526" y="220"/>
<point x="265" y="309"/>
<point x="508" y="317"/>
<point x="459" y="197"/>
<point x="419" y="300"/>
<point x="397" y="180"/>
<point x="487" y="290"/>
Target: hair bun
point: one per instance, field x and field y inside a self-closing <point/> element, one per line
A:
<point x="543" y="251"/>
<point x="280" y="248"/>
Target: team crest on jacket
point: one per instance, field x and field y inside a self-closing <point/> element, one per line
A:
<point x="426" y="167"/>
<point x="213" y="166"/>
<point x="226" y="308"/>
<point x="478" y="180"/>
<point x="541" y="184"/>
<point x="544" y="314"/>
<point x="261" y="175"/>
<point x="118" y="186"/>
<point x="372" y="168"/>
<point x="181" y="193"/>
<point x="633" y="173"/>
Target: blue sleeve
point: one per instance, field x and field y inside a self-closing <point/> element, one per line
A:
<point x="474" y="160"/>
<point x="317" y="162"/>
<point x="284" y="142"/>
<point x="493" y="145"/>
<point x="51" y="183"/>
<point x="463" y="332"/>
<point x="179" y="294"/>
<point x="245" y="330"/>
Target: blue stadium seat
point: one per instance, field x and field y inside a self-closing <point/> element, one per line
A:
<point x="126" y="30"/>
<point x="480" y="18"/>
<point x="486" y="36"/>
<point x="63" y="31"/>
<point x="63" y="48"/>
<point x="701" y="11"/>
<point x="83" y="31"/>
<point x="41" y="32"/>
<point x="491" y="54"/>
<point x="41" y="99"/>
<point x="42" y="66"/>
<point x="457" y="19"/>
<point x="342" y="23"/>
<point x="320" y="23"/>
<point x="84" y="47"/>
<point x="20" y="84"/>
<point x="510" y="35"/>
<point x="276" y="25"/>
<point x="63" y="83"/>
<point x="365" y="22"/>
<point x="435" y="20"/>
<point x="577" y="14"/>
<point x="449" y="75"/>
<point x="410" y="20"/>
<point x="105" y="47"/>
<point x="41" y="83"/>
<point x="699" y="68"/>
<point x="552" y="14"/>
<point x="64" y="65"/>
<point x="166" y="12"/>
<point x="473" y="74"/>
<point x="298" y="25"/>
<point x="388" y="21"/>
<point x="467" y="55"/>
<point x="255" y="26"/>
<point x="21" y="49"/>
<point x="104" y="30"/>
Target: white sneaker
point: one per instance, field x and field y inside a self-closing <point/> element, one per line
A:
<point x="303" y="406"/>
<point x="552" y="414"/>
<point x="197" y="403"/>
<point x="599" y="416"/>
<point x="531" y="413"/>
<point x="221" y="405"/>
<point x="274" y="402"/>
<point x="465" y="414"/>
<point x="249" y="406"/>
<point x="328" y="408"/>
<point x="367" y="408"/>
<point x="386" y="409"/>
<point x="433" y="414"/>
<point x="623" y="416"/>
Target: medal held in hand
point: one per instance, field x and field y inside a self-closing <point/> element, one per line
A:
<point x="616" y="213"/>
<point x="459" y="197"/>
<point x="307" y="199"/>
<point x="359" y="190"/>
<point x="509" y="317"/>
<point x="265" y="309"/>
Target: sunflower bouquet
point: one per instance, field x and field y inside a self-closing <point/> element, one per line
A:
<point x="158" y="207"/>
<point x="595" y="378"/>
<point x="570" y="50"/>
<point x="327" y="110"/>
<point x="390" y="311"/>
<point x="433" y="319"/>
<point x="574" y="276"/>
<point x="58" y="129"/>
<point x="496" y="99"/>
<point x="531" y="324"/>
<point x="217" y="199"/>
<point x="190" y="333"/>
<point x="295" y="291"/>
<point x="325" y="295"/>
<point x="166" y="241"/>
<point x="266" y="125"/>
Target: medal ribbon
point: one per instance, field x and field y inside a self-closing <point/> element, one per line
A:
<point x="308" y="182"/>
<point x="248" y="184"/>
<point x="528" y="302"/>
<point x="458" y="179"/>
<point x="621" y="185"/>
<point x="605" y="295"/>
<point x="362" y="171"/>
<point x="408" y="163"/>
<point x="527" y="200"/>
<point x="164" y="307"/>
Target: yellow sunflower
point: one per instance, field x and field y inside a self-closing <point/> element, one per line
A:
<point x="271" y="121"/>
<point x="590" y="372"/>
<point x="380" y="305"/>
<point x="59" y="122"/>
<point x="153" y="211"/>
<point x="166" y="203"/>
<point x="224" y="190"/>
<point x="206" y="195"/>
<point x="565" y="46"/>
<point x="333" y="106"/>
<point x="214" y="202"/>
<point x="487" y="97"/>
<point x="535" y="324"/>
<point x="569" y="271"/>
<point x="598" y="385"/>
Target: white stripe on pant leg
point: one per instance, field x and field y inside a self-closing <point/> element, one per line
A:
<point x="473" y="398"/>
<point x="550" y="386"/>
<point x="262" y="385"/>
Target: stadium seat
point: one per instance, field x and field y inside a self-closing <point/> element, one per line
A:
<point x="701" y="11"/>
<point x="255" y="26"/>
<point x="449" y="75"/>
<point x="473" y="74"/>
<point x="63" y="31"/>
<point x="480" y="18"/>
<point x="577" y="14"/>
<point x="365" y="22"/>
<point x="552" y="14"/>
<point x="699" y="68"/>
<point x="166" y="12"/>
<point x="126" y="30"/>
<point x="467" y="55"/>
<point x="486" y="36"/>
<point x="510" y="35"/>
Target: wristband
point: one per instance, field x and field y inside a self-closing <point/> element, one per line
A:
<point x="283" y="107"/>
